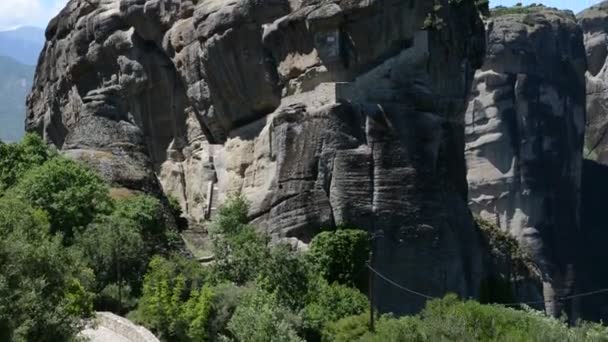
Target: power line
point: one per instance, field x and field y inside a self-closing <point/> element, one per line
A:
<point x="420" y="294"/>
<point x="399" y="286"/>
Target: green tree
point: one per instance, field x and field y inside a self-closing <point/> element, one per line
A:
<point x="17" y="159"/>
<point x="42" y="283"/>
<point x="341" y="256"/>
<point x="174" y="303"/>
<point x="240" y="251"/>
<point x="286" y="274"/>
<point x="70" y="193"/>
<point x="114" y="248"/>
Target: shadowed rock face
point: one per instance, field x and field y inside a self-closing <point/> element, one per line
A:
<point x="524" y="136"/>
<point x="320" y="113"/>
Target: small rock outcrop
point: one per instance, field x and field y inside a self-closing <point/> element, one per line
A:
<point x="319" y="112"/>
<point x="524" y="137"/>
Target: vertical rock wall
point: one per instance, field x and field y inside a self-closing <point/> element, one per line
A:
<point x="524" y="137"/>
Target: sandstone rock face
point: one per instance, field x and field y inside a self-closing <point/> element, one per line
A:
<point x="594" y="22"/>
<point x="524" y="136"/>
<point x="321" y="113"/>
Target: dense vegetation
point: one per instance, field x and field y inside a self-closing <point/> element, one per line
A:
<point x="67" y="248"/>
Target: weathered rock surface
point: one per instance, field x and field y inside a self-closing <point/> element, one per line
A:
<point x="594" y="22"/>
<point x="594" y="236"/>
<point x="319" y="112"/>
<point x="524" y="137"/>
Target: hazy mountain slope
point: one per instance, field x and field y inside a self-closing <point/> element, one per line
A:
<point x="23" y="44"/>
<point x="15" y="82"/>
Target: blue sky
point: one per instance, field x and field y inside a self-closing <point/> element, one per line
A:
<point x="15" y="13"/>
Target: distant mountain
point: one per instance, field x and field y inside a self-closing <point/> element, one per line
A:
<point x="15" y="83"/>
<point x="23" y="44"/>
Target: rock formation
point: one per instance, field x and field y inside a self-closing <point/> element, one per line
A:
<point x="320" y="113"/>
<point x="594" y="237"/>
<point x="594" y="22"/>
<point x="524" y="134"/>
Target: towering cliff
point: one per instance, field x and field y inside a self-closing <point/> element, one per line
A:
<point x="524" y="137"/>
<point x="594" y="22"/>
<point x="320" y="113"/>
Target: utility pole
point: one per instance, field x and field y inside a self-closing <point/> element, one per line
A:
<point x="372" y="275"/>
<point x="372" y="327"/>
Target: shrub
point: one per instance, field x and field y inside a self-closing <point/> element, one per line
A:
<point x="450" y="319"/>
<point x="261" y="318"/>
<point x="328" y="303"/>
<point x="341" y="256"/>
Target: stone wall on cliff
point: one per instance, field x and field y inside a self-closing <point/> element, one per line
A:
<point x="320" y="113"/>
<point x="524" y="138"/>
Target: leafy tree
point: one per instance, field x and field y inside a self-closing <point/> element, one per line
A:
<point x="286" y="274"/>
<point x="70" y="193"/>
<point x="239" y="250"/>
<point x="16" y="159"/>
<point x="341" y="256"/>
<point x="174" y="303"/>
<point x="113" y="247"/>
<point x="42" y="284"/>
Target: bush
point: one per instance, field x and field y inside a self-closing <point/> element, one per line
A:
<point x="262" y="318"/>
<point x="328" y="303"/>
<point x="71" y="194"/>
<point x="341" y="256"/>
<point x="450" y="319"/>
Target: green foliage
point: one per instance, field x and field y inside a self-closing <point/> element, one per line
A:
<point x="239" y="250"/>
<point x="328" y="303"/>
<point x="341" y="256"/>
<point x="450" y="319"/>
<point x="70" y="193"/>
<point x="285" y="273"/>
<point x="42" y="284"/>
<point x="147" y="215"/>
<point x="174" y="303"/>
<point x="517" y="9"/>
<point x="113" y="247"/>
<point x="16" y="159"/>
<point x="348" y="329"/>
<point x="261" y="318"/>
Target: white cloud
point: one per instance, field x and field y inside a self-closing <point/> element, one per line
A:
<point x="15" y="13"/>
